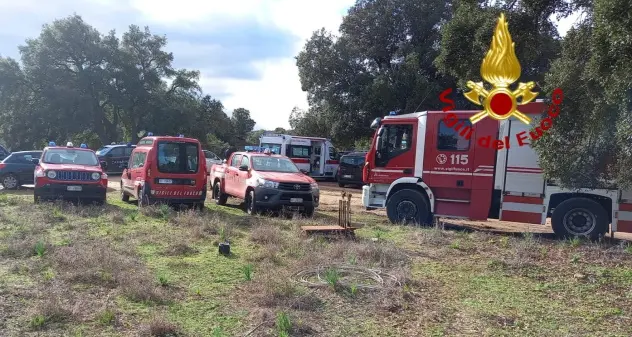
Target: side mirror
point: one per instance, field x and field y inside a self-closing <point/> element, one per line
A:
<point x="224" y="161"/>
<point x="104" y="165"/>
<point x="243" y="168"/>
<point x="304" y="171"/>
<point x="35" y="161"/>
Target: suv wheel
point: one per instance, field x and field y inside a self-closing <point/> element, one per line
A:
<point x="143" y="198"/>
<point x="309" y="211"/>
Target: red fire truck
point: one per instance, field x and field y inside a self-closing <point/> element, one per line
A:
<point x="424" y="165"/>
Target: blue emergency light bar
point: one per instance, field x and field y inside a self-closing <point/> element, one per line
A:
<point x="149" y="134"/>
<point x="51" y="143"/>
<point x="83" y="146"/>
<point x="392" y="113"/>
<point x="180" y="136"/>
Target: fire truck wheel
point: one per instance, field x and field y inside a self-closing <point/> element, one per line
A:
<point x="219" y="197"/>
<point x="581" y="217"/>
<point x="408" y="206"/>
<point x="251" y="203"/>
<point x="124" y="196"/>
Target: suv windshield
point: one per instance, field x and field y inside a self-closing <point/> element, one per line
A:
<point x="70" y="156"/>
<point x="272" y="164"/>
<point x="178" y="157"/>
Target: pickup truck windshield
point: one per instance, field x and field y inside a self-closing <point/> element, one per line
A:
<point x="70" y="156"/>
<point x="178" y="157"/>
<point x="272" y="164"/>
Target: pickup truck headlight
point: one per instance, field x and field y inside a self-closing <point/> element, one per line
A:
<point x="314" y="186"/>
<point x="96" y="176"/>
<point x="267" y="183"/>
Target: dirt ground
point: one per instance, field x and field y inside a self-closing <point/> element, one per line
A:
<point x="330" y="193"/>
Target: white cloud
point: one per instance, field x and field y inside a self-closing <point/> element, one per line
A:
<point x="271" y="98"/>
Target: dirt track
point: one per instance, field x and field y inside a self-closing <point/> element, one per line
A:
<point x="330" y="193"/>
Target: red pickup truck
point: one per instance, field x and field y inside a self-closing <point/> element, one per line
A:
<point x="265" y="182"/>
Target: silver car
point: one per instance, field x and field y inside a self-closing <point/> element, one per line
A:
<point x="211" y="158"/>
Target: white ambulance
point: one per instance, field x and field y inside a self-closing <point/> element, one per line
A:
<point x="316" y="156"/>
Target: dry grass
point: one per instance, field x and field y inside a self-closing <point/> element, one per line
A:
<point x="159" y="327"/>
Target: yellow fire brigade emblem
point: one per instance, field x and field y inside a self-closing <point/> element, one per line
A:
<point x="500" y="68"/>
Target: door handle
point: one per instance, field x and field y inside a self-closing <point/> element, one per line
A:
<point x="459" y="183"/>
<point x="408" y="171"/>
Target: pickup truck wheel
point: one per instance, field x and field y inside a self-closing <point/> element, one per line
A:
<point x="251" y="203"/>
<point x="219" y="197"/>
<point x="309" y="211"/>
<point x="408" y="206"/>
<point x="124" y="196"/>
<point x="579" y="217"/>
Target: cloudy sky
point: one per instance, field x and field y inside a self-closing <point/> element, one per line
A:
<point x="244" y="49"/>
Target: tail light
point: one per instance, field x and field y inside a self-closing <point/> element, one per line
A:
<point x="365" y="173"/>
<point x="2" y="165"/>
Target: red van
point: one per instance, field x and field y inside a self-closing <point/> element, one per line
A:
<point x="165" y="169"/>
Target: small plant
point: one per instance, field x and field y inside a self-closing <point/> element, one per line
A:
<point x="40" y="248"/>
<point x="223" y="235"/>
<point x="575" y="258"/>
<point x="283" y="324"/>
<point x="37" y="321"/>
<point x="164" y="281"/>
<point x="58" y="215"/>
<point x="353" y="260"/>
<point x="247" y="270"/>
<point x="332" y="276"/>
<point x="164" y="211"/>
<point x="133" y="215"/>
<point x="455" y="244"/>
<point x="628" y="249"/>
<point x="4" y="199"/>
<point x="218" y="332"/>
<point x="353" y="289"/>
<point x="378" y="233"/>
<point x="504" y="242"/>
<point x="48" y="275"/>
<point x="106" y="317"/>
<point x="574" y="242"/>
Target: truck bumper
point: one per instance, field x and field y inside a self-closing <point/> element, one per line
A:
<point x="88" y="191"/>
<point x="274" y="199"/>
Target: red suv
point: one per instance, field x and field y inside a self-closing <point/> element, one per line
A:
<point x="166" y="169"/>
<point x="69" y="173"/>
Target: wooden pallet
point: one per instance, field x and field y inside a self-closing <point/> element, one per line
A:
<point x="344" y="220"/>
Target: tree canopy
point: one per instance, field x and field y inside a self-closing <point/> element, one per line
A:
<point x="75" y="84"/>
<point x="399" y="55"/>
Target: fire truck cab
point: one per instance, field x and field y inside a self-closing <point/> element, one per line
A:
<point x="437" y="164"/>
<point x="317" y="156"/>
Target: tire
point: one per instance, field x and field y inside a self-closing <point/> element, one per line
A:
<point x="219" y="197"/>
<point x="250" y="203"/>
<point x="309" y="211"/>
<point x="341" y="184"/>
<point x="143" y="198"/>
<point x="124" y="196"/>
<point x="199" y="206"/>
<point x="408" y="206"/>
<point x="591" y="219"/>
<point x="10" y="182"/>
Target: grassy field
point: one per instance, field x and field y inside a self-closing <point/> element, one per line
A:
<point x="116" y="271"/>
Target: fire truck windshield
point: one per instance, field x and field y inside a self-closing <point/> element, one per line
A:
<point x="274" y="164"/>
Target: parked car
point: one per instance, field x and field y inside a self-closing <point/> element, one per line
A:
<point x="17" y="169"/>
<point x="211" y="159"/>
<point x="265" y="182"/>
<point x="166" y="169"/>
<point x="68" y="172"/>
<point x="350" y="169"/>
<point x="116" y="156"/>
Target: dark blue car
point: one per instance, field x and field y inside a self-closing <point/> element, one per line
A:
<point x="18" y="169"/>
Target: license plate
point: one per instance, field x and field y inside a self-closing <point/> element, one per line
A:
<point x="165" y="181"/>
<point x="296" y="200"/>
<point x="348" y="176"/>
<point x="73" y="188"/>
